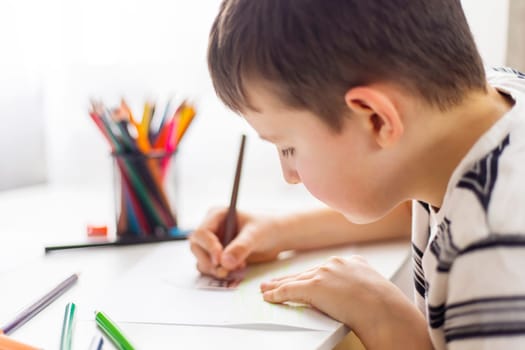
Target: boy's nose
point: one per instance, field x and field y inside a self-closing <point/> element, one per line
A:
<point x="291" y="176"/>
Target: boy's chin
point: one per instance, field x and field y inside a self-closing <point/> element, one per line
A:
<point x="362" y="218"/>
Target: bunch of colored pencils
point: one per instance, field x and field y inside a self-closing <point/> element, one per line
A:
<point x="142" y="155"/>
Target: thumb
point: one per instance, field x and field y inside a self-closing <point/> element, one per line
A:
<point x="235" y="254"/>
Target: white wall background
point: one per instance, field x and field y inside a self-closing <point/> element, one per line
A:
<point x="488" y="20"/>
<point x="22" y="151"/>
<point x="140" y="49"/>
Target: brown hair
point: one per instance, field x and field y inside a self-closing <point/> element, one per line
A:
<point x="313" y="51"/>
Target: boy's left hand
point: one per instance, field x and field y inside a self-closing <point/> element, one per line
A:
<point x="350" y="291"/>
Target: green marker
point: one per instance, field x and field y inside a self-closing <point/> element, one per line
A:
<point x="112" y="331"/>
<point x="67" y="327"/>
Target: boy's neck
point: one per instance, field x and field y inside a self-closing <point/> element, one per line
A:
<point x="452" y="135"/>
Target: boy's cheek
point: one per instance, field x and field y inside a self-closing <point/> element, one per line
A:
<point x="313" y="183"/>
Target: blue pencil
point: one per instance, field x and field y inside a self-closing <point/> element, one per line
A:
<point x="97" y="342"/>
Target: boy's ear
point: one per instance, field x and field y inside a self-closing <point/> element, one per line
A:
<point x="378" y="113"/>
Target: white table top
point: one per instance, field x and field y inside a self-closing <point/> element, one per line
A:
<point x="33" y="217"/>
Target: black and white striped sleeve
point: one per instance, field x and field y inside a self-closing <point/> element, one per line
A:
<point x="485" y="303"/>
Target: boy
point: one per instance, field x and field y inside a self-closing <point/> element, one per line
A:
<point x="372" y="104"/>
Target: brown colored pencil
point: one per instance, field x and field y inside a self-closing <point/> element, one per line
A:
<point x="230" y="225"/>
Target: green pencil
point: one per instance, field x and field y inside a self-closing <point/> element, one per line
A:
<point x="67" y="327"/>
<point x="112" y="331"/>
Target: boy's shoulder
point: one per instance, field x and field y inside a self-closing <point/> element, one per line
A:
<point x="487" y="195"/>
<point x="507" y="78"/>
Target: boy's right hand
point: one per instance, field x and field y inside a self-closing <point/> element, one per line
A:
<point x="257" y="241"/>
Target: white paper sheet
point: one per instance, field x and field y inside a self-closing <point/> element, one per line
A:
<point x="163" y="288"/>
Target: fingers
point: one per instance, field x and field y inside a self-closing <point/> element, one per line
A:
<point x="207" y="249"/>
<point x="292" y="288"/>
<point x="209" y="243"/>
<point x="276" y="282"/>
<point x="205" y="237"/>
<point x="313" y="269"/>
<point x="235" y="254"/>
<point x="295" y="291"/>
<point x="251" y="242"/>
<point x="302" y="286"/>
<point x="213" y="219"/>
<point x="204" y="264"/>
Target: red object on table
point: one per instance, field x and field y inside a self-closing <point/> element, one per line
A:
<point x="97" y="231"/>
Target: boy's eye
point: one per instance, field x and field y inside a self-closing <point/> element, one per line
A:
<point x="288" y="152"/>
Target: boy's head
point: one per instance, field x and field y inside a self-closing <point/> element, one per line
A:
<point x="311" y="52"/>
<point x="283" y="60"/>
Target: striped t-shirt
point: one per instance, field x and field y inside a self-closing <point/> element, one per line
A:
<point x="469" y="257"/>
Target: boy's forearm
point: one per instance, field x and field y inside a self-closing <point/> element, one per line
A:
<point x="326" y="227"/>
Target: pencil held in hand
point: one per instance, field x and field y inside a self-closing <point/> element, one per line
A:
<point x="229" y="228"/>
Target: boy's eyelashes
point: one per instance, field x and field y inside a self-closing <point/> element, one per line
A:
<point x="288" y="151"/>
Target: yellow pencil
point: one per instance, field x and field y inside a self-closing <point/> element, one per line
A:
<point x="186" y="117"/>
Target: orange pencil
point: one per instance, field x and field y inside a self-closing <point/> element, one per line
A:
<point x="7" y="343"/>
